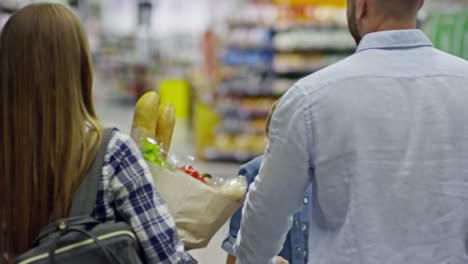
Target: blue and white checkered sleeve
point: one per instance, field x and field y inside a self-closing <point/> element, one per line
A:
<point x="138" y="202"/>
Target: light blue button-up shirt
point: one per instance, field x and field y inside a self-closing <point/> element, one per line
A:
<point x="296" y="244"/>
<point x="383" y="138"/>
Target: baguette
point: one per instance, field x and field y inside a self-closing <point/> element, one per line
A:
<point x="165" y="127"/>
<point x="146" y="117"/>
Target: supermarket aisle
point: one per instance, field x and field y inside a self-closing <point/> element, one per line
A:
<point x="120" y="115"/>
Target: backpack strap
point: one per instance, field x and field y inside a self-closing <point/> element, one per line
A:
<point x="84" y="199"/>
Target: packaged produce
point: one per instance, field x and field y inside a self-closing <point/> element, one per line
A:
<point x="200" y="203"/>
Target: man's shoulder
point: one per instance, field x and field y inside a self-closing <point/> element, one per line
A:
<point x="453" y="64"/>
<point x="334" y="73"/>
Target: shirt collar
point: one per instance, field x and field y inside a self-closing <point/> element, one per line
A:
<point x="394" y="39"/>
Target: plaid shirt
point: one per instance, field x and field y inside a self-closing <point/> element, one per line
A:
<point x="127" y="193"/>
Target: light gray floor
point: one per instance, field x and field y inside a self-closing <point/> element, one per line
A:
<point x="120" y="116"/>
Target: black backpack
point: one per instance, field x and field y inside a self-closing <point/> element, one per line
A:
<point x="80" y="239"/>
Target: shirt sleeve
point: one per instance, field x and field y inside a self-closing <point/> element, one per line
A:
<point x="250" y="171"/>
<point x="138" y="202"/>
<point x="234" y="226"/>
<point x="278" y="191"/>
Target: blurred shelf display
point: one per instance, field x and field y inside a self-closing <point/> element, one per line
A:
<point x="269" y="47"/>
<point x="250" y="38"/>
<point x="240" y="147"/>
<point x="314" y="39"/>
<point x="304" y="63"/>
<point x="333" y="3"/>
<point x="242" y="126"/>
<point x="259" y="59"/>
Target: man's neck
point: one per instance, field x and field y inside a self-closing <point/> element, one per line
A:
<point x="396" y="26"/>
<point x="393" y="25"/>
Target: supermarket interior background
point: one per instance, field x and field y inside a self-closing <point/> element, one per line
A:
<point x="222" y="63"/>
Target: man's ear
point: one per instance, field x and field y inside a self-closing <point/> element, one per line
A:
<point x="362" y="9"/>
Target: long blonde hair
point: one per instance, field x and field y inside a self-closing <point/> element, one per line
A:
<point x="49" y="131"/>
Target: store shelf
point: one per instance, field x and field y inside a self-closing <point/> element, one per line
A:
<point x="242" y="114"/>
<point x="237" y="46"/>
<point x="258" y="59"/>
<point x="274" y="88"/>
<point x="253" y="93"/>
<point x="248" y="88"/>
<point x="270" y="48"/>
<point x="317" y="49"/>
<point x="243" y="130"/>
<point x="236" y="126"/>
<point x="287" y="26"/>
<point x="240" y="157"/>
<point x="297" y="70"/>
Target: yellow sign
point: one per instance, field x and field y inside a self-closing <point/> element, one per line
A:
<point x="176" y="92"/>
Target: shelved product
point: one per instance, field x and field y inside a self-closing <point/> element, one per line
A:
<point x="270" y="47"/>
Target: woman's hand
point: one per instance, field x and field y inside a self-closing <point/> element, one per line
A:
<point x="280" y="260"/>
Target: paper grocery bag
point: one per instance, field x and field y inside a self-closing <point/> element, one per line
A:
<point x="199" y="210"/>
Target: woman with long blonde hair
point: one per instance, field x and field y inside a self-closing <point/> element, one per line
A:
<point x="49" y="136"/>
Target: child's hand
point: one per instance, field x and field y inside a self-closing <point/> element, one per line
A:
<point x="280" y="260"/>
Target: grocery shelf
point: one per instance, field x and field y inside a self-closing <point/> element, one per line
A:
<point x="253" y="93"/>
<point x="240" y="157"/>
<point x="268" y="49"/>
<point x="243" y="114"/>
<point x="244" y="130"/>
<point x="318" y="49"/>
<point x="297" y="70"/>
<point x="248" y="25"/>
<point x="263" y="89"/>
<point x="286" y="26"/>
<point x="250" y="47"/>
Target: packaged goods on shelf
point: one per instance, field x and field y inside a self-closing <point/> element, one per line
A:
<point x="251" y="38"/>
<point x="254" y="15"/>
<point x="245" y="107"/>
<point x="268" y="49"/>
<point x="303" y="63"/>
<point x="314" y="39"/>
<point x="236" y="147"/>
<point x="248" y="85"/>
<point x="310" y="16"/>
<point x="332" y="3"/>
<point x="260" y="59"/>
<point x="242" y="126"/>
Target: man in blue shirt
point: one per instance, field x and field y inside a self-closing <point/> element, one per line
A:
<point x="383" y="138"/>
<point x="294" y="249"/>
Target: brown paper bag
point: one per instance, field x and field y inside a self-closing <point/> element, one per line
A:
<point x="199" y="210"/>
